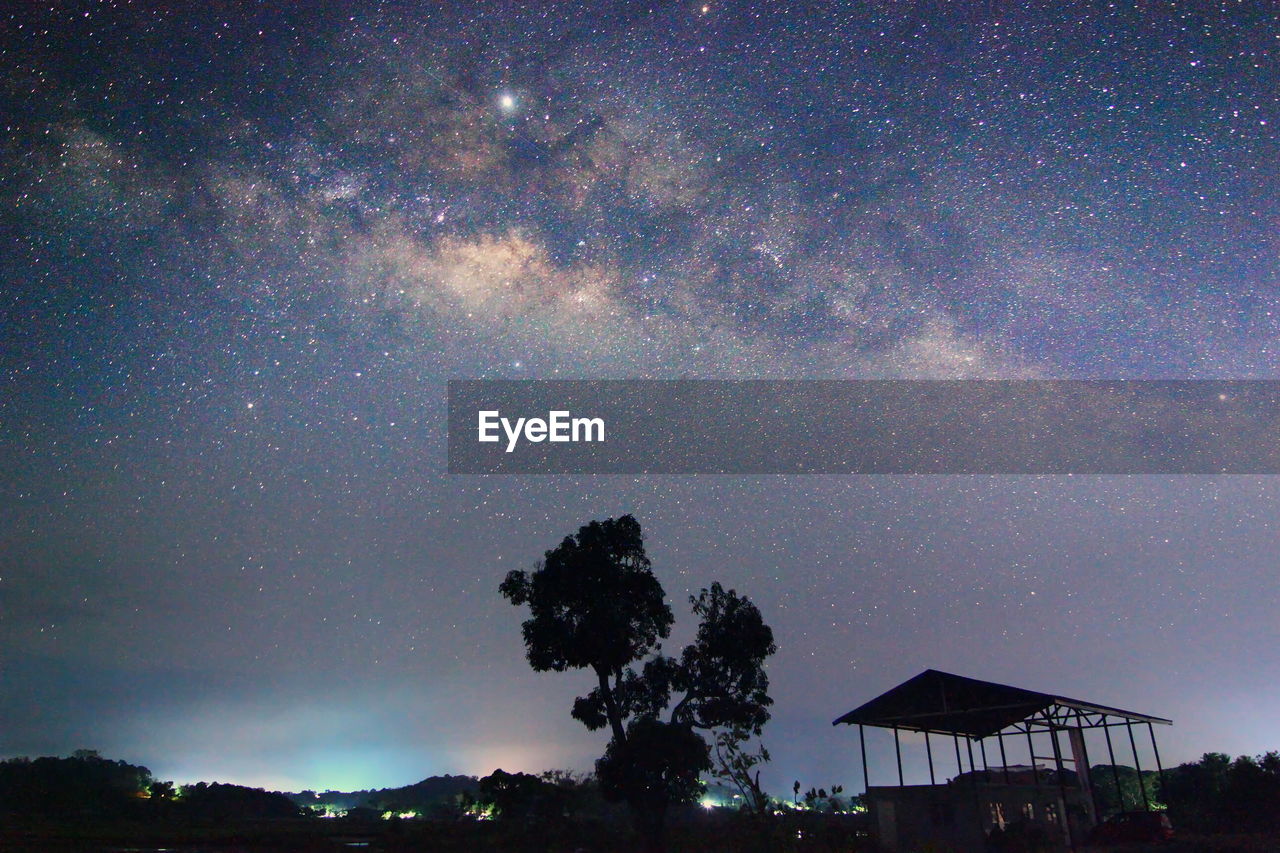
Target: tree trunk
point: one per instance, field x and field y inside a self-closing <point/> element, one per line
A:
<point x="611" y="707"/>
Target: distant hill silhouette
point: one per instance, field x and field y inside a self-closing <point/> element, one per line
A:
<point x="227" y="802"/>
<point x="422" y="797"/>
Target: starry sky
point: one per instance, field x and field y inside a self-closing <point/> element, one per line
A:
<point x="245" y="245"/>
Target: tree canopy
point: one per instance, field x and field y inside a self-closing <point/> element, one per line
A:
<point x="1219" y="794"/>
<point x="594" y="603"/>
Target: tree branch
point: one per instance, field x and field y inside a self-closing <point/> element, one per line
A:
<point x="611" y="707"/>
<point x="680" y="706"/>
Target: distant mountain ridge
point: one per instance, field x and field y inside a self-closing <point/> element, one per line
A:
<point x="420" y="796"/>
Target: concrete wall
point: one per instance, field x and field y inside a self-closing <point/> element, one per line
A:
<point x="958" y="817"/>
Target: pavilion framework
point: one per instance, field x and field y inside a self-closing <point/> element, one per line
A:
<point x="982" y="720"/>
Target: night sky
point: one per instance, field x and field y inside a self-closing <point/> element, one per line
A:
<point x="243" y="246"/>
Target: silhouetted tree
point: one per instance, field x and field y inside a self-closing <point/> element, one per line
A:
<point x="725" y="686"/>
<point x="819" y="800"/>
<point x="84" y="785"/>
<point x="528" y="798"/>
<point x="658" y="764"/>
<point x="1129" y="796"/>
<point x="1194" y="792"/>
<point x="1219" y="794"/>
<point x="737" y="765"/>
<point x="595" y="604"/>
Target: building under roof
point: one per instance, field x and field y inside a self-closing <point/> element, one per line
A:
<point x="971" y="712"/>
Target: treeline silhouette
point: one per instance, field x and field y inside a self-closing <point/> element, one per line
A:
<point x="1218" y="794"/>
<point x="217" y="801"/>
<point x="88" y="786"/>
<point x="84" y="785"/>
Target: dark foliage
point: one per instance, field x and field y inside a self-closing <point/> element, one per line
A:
<point x="721" y="673"/>
<point x="594" y="601"/>
<point x="528" y="798"/>
<point x="595" y="604"/>
<point x="84" y="785"/>
<point x="1128" y="796"/>
<point x="87" y="786"/>
<point x="1216" y="794"/>
<point x="204" y="801"/>
<point x="659" y="763"/>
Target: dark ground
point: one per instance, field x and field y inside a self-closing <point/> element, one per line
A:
<point x="791" y="834"/>
<point x="801" y="833"/>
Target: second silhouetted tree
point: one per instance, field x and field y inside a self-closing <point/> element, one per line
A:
<point x="595" y="604"/>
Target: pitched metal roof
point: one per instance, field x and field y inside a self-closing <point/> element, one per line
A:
<point x="936" y="701"/>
